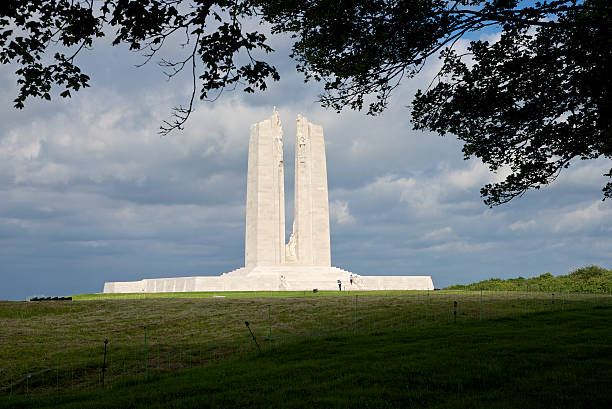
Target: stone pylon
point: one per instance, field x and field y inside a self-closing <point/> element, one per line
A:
<point x="265" y="205"/>
<point x="304" y="263"/>
<point x="309" y="244"/>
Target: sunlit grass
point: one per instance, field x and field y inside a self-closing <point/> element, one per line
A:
<point x="230" y="294"/>
<point x="555" y="358"/>
<point x="60" y="343"/>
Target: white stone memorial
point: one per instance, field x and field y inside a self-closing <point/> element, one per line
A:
<point x="304" y="263"/>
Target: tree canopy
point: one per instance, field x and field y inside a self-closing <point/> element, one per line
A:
<point x="529" y="102"/>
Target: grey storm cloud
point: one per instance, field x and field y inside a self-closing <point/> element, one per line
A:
<point x="89" y="192"/>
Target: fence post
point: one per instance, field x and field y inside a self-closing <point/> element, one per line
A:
<point x="480" y="304"/>
<point x="269" y="328"/>
<point x="455" y="311"/>
<point x="146" y="353"/>
<point x="356" y="314"/>
<point x="104" y="361"/>
<point x="562" y="300"/>
<point x="427" y="307"/>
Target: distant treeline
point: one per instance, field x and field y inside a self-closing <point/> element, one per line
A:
<point x="590" y="279"/>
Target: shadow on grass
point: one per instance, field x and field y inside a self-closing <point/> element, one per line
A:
<point x="549" y="359"/>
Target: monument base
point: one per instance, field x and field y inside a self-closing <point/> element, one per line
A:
<point x="275" y="278"/>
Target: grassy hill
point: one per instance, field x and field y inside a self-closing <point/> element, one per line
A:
<point x="556" y="358"/>
<point x="589" y="280"/>
<point x="58" y="346"/>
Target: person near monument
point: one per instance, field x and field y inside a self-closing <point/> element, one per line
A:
<point x="351" y="279"/>
<point x="339" y="285"/>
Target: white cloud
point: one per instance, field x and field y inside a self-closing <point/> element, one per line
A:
<point x="339" y="212"/>
<point x="391" y="185"/>
<point x="16" y="147"/>
<point x="439" y="233"/>
<point x="584" y="175"/>
<point x="522" y="225"/>
<point x="461" y="247"/>
<point x="471" y="178"/>
<point x="43" y="173"/>
<point x="93" y="243"/>
<point x="597" y="215"/>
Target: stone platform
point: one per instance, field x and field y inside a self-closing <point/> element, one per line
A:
<point x="277" y="278"/>
<point x="272" y="264"/>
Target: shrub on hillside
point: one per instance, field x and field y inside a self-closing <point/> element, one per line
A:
<point x="590" y="279"/>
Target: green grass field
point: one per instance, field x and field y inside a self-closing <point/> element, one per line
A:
<point x="232" y="294"/>
<point x="559" y="359"/>
<point x="60" y="344"/>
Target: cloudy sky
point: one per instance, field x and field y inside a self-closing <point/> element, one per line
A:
<point x="89" y="192"/>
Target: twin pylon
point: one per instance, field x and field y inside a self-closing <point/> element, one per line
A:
<point x="304" y="263"/>
<point x="309" y="243"/>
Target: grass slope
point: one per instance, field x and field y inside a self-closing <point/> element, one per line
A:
<point x="547" y="359"/>
<point x="231" y="294"/>
<point x="46" y="347"/>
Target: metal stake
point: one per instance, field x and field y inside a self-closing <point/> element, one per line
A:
<point x="104" y="362"/>
<point x="252" y="335"/>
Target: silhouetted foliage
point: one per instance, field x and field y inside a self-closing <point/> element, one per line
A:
<point x="530" y="102"/>
<point x="590" y="279"/>
<point x="44" y="37"/>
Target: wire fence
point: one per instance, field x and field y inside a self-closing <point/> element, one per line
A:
<point x="122" y="348"/>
